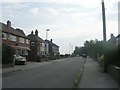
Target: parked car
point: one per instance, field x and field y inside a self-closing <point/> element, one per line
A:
<point x="20" y="60"/>
<point x="84" y="55"/>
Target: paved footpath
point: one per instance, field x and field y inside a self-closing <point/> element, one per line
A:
<point x="29" y="65"/>
<point x="93" y="77"/>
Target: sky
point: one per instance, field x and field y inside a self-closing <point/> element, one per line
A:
<point x="71" y="22"/>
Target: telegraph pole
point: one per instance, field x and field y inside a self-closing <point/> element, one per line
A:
<point x="104" y="35"/>
<point x="104" y="21"/>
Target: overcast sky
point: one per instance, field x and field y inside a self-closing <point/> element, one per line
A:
<point x="71" y="22"/>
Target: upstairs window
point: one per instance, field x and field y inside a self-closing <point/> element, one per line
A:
<point x="27" y="41"/>
<point x="32" y="43"/>
<point x="21" y="40"/>
<point x="4" y="36"/>
<point x="12" y="38"/>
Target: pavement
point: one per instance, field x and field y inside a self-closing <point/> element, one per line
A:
<point x="93" y="77"/>
<point x="29" y="65"/>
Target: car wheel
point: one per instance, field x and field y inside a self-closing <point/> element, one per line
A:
<point x="25" y="63"/>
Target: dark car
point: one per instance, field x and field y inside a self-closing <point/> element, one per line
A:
<point x="84" y="55"/>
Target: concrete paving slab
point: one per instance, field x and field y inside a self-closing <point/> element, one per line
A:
<point x="93" y="77"/>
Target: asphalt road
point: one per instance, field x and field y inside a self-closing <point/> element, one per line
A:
<point x="59" y="74"/>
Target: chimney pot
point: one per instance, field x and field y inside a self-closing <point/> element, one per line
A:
<point x="36" y="32"/>
<point x="112" y="35"/>
<point x="32" y="32"/>
<point x="51" y="40"/>
<point x="8" y="24"/>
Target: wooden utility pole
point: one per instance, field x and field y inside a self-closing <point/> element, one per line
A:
<point x="104" y="21"/>
<point x="104" y="35"/>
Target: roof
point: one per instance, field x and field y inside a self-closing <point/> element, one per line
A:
<point x="118" y="36"/>
<point x="51" y="43"/>
<point x="11" y="30"/>
<point x="35" y="38"/>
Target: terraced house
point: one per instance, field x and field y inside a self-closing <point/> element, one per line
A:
<point x="15" y="38"/>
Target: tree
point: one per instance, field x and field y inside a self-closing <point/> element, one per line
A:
<point x="93" y="47"/>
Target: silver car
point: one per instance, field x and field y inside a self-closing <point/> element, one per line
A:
<point x="20" y="60"/>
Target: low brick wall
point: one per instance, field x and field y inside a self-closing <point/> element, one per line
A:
<point x="8" y="65"/>
<point x="114" y="72"/>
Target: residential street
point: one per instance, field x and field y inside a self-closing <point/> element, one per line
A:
<point x="58" y="74"/>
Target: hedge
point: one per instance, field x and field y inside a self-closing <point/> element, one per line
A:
<point x="7" y="54"/>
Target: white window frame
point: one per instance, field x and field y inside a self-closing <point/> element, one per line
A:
<point x="5" y="36"/>
<point x="21" y="40"/>
<point x="12" y="38"/>
<point x="27" y="41"/>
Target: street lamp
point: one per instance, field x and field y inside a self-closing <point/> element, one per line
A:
<point x="46" y="33"/>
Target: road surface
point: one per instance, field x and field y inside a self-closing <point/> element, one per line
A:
<point x="59" y="74"/>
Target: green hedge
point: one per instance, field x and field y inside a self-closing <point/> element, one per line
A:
<point x="7" y="54"/>
<point x="111" y="54"/>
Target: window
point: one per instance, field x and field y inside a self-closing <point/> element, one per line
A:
<point x="117" y="41"/>
<point x="4" y="36"/>
<point x="12" y="37"/>
<point x="43" y="45"/>
<point x="21" y="40"/>
<point x="32" y="43"/>
<point x="27" y="41"/>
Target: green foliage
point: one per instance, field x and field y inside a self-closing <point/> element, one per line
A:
<point x="79" y="51"/>
<point x="111" y="54"/>
<point x="93" y="47"/>
<point x="101" y="59"/>
<point x="7" y="54"/>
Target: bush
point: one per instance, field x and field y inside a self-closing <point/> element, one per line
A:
<point x="7" y="54"/>
<point x="101" y="59"/>
<point x="111" y="54"/>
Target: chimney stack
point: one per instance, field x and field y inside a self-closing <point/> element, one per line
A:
<point x="111" y="35"/>
<point x="51" y="40"/>
<point x="32" y="32"/>
<point x="8" y="24"/>
<point x="36" y="32"/>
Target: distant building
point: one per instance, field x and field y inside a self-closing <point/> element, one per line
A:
<point x="53" y="49"/>
<point x="112" y="39"/>
<point x="37" y="47"/>
<point x="15" y="38"/>
<point x="118" y="40"/>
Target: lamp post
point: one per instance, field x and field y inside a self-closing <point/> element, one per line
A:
<point x="46" y="45"/>
<point x="47" y="33"/>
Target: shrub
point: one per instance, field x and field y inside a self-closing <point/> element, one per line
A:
<point x="111" y="54"/>
<point x="101" y="59"/>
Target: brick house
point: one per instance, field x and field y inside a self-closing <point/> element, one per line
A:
<point x="112" y="39"/>
<point x="53" y="49"/>
<point x="37" y="47"/>
<point x="15" y="38"/>
<point x="118" y="40"/>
